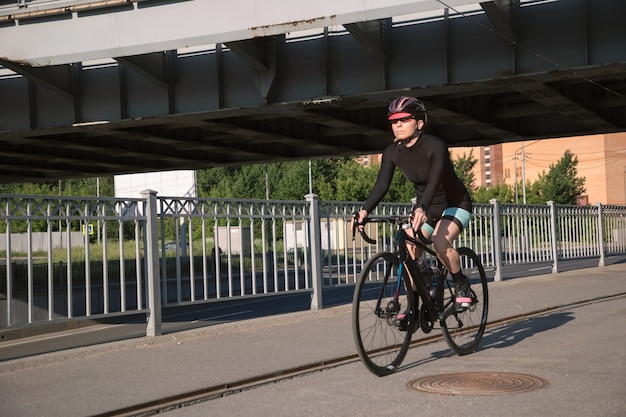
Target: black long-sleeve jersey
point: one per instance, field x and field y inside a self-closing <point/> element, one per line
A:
<point x="428" y="166"/>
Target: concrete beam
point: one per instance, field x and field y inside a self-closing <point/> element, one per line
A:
<point x="78" y="33"/>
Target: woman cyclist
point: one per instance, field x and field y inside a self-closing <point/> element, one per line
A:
<point x="443" y="206"/>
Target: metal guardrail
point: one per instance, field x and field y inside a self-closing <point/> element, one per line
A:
<point x="169" y="251"/>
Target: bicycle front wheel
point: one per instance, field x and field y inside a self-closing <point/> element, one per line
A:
<point x="463" y="328"/>
<point x="381" y="338"/>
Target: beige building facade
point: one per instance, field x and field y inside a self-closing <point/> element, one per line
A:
<point x="601" y="161"/>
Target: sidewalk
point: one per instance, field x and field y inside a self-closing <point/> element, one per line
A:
<point x="579" y="351"/>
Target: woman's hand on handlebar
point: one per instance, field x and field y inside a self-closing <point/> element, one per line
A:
<point x="359" y="218"/>
<point x="418" y="219"/>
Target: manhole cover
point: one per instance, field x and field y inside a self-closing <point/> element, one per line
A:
<point x="478" y="383"/>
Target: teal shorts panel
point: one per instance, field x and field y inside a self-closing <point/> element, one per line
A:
<point x="463" y="216"/>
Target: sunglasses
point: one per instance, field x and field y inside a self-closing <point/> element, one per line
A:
<point x="403" y="120"/>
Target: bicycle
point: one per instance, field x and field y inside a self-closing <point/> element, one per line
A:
<point x="380" y="297"/>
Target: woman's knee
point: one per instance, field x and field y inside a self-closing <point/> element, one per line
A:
<point x="440" y="243"/>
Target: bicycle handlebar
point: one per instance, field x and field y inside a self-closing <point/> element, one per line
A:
<point x="355" y="227"/>
<point x="398" y="220"/>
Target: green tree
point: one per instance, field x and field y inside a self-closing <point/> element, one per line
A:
<point x="80" y="187"/>
<point x="208" y="179"/>
<point x="561" y="184"/>
<point x="285" y="180"/>
<point x="289" y="181"/>
<point x="534" y="192"/>
<point x="247" y="181"/>
<point x="501" y="192"/>
<point x="354" y="182"/>
<point x="332" y="179"/>
<point x="464" y="168"/>
<point x="325" y="174"/>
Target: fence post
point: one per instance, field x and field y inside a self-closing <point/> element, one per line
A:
<point x="152" y="260"/>
<point x="553" y="237"/>
<point x="497" y="240"/>
<point x="600" y="235"/>
<point x="316" y="251"/>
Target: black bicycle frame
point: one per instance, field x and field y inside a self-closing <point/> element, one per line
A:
<point x="418" y="280"/>
<point x="434" y="311"/>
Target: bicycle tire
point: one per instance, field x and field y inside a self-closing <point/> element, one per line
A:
<point x="463" y="330"/>
<point x="380" y="342"/>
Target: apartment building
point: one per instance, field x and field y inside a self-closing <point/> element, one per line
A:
<point x="601" y="161"/>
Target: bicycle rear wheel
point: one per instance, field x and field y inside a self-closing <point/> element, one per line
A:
<point x="380" y="295"/>
<point x="463" y="328"/>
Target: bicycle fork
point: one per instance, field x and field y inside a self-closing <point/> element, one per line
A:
<point x="391" y="310"/>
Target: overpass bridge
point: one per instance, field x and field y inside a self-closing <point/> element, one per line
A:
<point x="102" y="87"/>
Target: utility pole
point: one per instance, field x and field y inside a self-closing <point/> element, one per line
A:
<point x="523" y="175"/>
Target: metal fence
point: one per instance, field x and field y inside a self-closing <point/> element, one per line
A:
<point x="74" y="278"/>
<point x="227" y="248"/>
<point x="169" y="251"/>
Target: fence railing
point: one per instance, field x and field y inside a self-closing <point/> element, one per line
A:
<point x="227" y="248"/>
<point x="137" y="256"/>
<point x="71" y="280"/>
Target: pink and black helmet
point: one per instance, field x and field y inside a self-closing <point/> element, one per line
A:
<point x="407" y="106"/>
